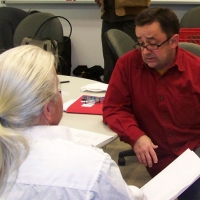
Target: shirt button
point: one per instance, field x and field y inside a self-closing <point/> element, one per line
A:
<point x="165" y="116"/>
<point x="170" y="135"/>
<point x="161" y="97"/>
<point x="176" y="149"/>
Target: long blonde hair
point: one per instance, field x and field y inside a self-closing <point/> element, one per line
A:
<point x="27" y="82"/>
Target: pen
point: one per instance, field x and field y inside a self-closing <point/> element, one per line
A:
<point x="64" y="81"/>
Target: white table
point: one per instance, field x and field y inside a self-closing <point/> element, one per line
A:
<point x="93" y="123"/>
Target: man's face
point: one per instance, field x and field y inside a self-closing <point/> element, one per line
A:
<point x="163" y="57"/>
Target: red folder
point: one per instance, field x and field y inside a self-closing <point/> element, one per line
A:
<point x="77" y="107"/>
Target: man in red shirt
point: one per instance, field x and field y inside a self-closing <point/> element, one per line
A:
<point x="153" y="98"/>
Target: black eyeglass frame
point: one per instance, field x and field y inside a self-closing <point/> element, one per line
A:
<point x="141" y="47"/>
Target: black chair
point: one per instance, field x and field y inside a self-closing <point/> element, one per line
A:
<point x="51" y="29"/>
<point x="9" y="19"/>
<point x="42" y="25"/>
<point x="191" y="47"/>
<point x="120" y="43"/>
<point x="191" y="18"/>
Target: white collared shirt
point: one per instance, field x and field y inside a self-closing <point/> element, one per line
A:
<point x="57" y="168"/>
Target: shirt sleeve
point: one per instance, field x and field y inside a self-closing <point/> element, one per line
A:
<point x="117" y="110"/>
<point x="111" y="185"/>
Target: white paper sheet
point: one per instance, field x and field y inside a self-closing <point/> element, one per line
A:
<point x="174" y="179"/>
<point x="95" y="87"/>
<point x="87" y="137"/>
<point x="68" y="103"/>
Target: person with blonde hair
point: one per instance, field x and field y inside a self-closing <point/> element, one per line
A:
<point x="38" y="159"/>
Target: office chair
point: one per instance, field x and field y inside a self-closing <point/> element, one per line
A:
<point x="191" y="18"/>
<point x="191" y="47"/>
<point x="38" y="26"/>
<point x="52" y="29"/>
<point x="9" y="19"/>
<point x="120" y="43"/>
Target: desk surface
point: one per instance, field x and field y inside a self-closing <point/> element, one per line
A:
<point x="93" y="123"/>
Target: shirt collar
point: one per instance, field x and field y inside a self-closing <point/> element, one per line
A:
<point x="179" y="60"/>
<point x="48" y="133"/>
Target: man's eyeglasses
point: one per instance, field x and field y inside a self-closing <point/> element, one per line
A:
<point x="150" y="47"/>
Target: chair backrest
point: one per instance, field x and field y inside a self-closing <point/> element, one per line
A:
<point x="191" y="19"/>
<point x="30" y="25"/>
<point x="191" y="47"/>
<point x="9" y="19"/>
<point x="119" y="42"/>
<point x="46" y="26"/>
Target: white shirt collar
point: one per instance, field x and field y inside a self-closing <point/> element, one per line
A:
<point x="48" y="133"/>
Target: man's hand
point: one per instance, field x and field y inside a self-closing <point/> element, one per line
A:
<point x="98" y="2"/>
<point x="144" y="150"/>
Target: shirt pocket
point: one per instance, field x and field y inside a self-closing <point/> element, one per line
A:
<point x="186" y="112"/>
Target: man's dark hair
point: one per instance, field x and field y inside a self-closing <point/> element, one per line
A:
<point x="167" y="19"/>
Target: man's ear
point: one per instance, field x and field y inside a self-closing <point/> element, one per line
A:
<point x="47" y="112"/>
<point x="175" y="40"/>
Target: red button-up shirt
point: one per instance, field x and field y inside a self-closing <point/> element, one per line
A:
<point x="164" y="107"/>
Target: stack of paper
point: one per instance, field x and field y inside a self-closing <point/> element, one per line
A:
<point x="88" y="138"/>
<point x="174" y="179"/>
